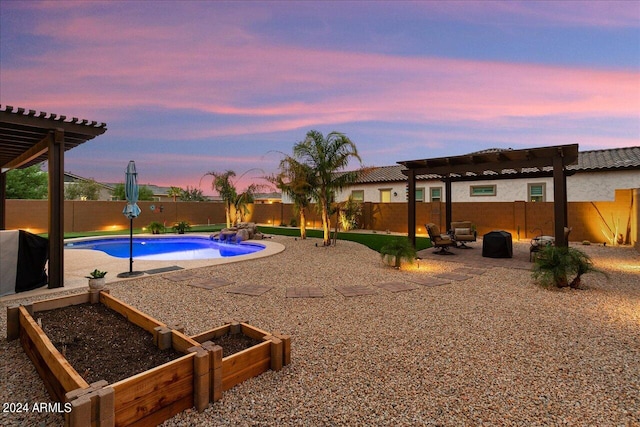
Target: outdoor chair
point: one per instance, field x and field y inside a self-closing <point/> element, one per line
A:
<point x="540" y="242"/>
<point x="463" y="231"/>
<point x="438" y="240"/>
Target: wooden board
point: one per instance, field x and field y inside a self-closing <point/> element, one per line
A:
<point x="52" y="304"/>
<point x="51" y="365"/>
<point x="181" y="342"/>
<point x="212" y="334"/>
<point x="253" y="332"/>
<point x="140" y="396"/>
<point x="133" y="315"/>
<point x="245" y="364"/>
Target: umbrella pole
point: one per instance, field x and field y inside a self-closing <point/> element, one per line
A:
<point x="130" y="245"/>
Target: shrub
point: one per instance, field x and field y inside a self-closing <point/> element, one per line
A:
<point x="554" y="265"/>
<point x="398" y="249"/>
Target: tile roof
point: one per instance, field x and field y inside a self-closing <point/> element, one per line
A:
<point x="593" y="160"/>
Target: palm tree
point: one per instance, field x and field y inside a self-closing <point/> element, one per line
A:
<point x="226" y="189"/>
<point x="242" y="201"/>
<point x="296" y="180"/>
<point x="397" y="250"/>
<point x="174" y="192"/>
<point x="326" y="157"/>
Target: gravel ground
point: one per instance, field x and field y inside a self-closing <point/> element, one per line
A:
<point x="492" y="350"/>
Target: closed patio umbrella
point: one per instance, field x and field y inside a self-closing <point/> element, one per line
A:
<point x="131" y="210"/>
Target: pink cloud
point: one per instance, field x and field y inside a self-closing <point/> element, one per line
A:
<point x="104" y="75"/>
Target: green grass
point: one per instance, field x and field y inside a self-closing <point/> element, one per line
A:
<point x="370" y="240"/>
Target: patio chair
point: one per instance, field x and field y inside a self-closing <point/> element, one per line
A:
<point x="463" y="231"/>
<point x="438" y="240"/>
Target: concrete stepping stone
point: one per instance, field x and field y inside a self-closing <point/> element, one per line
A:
<point x="354" y="291"/>
<point x="430" y="281"/>
<point x="252" y="290"/>
<point x="454" y="276"/>
<point x="210" y="282"/>
<point x="304" y="292"/>
<point x="396" y="286"/>
<point x="163" y="269"/>
<point x="470" y="270"/>
<point x="180" y="277"/>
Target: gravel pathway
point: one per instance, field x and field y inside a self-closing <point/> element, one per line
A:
<point x="494" y="349"/>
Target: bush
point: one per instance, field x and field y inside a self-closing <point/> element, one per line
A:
<point x="554" y="265"/>
<point x="397" y="250"/>
<point x="293" y="222"/>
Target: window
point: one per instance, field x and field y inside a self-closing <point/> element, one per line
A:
<point x="435" y="194"/>
<point x="536" y="192"/>
<point x="483" y="190"/>
<point x="385" y="195"/>
<point x="357" y="195"/>
<point x="419" y="194"/>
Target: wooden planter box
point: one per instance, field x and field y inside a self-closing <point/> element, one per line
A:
<point x="153" y="396"/>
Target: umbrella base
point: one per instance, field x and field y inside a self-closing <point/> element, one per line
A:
<point x="130" y="274"/>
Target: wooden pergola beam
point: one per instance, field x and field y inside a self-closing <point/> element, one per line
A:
<point x="34" y="152"/>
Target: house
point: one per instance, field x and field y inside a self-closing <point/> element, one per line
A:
<point x="70" y="180"/>
<point x="595" y="177"/>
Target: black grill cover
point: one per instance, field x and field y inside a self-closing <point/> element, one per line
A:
<point x="33" y="252"/>
<point x="497" y="244"/>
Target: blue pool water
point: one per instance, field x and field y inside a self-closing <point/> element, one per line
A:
<point x="166" y="248"/>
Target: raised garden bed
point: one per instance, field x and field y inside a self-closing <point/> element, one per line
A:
<point x="192" y="370"/>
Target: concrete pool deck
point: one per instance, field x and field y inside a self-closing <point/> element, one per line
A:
<point x="78" y="263"/>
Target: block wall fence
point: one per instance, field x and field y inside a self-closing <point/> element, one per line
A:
<point x="523" y="220"/>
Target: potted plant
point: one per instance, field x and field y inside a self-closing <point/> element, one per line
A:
<point x="96" y="279"/>
<point x="181" y="227"/>
<point x="155" y="227"/>
<point x="397" y="250"/>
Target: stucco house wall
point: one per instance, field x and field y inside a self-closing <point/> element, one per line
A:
<point x="581" y="187"/>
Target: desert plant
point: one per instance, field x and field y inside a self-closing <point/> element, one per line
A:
<point x="398" y="249"/>
<point x="96" y="274"/>
<point x="554" y="265"/>
<point x="181" y="227"/>
<point x="155" y="227"/>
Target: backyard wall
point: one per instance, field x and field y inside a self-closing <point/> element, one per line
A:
<point x="593" y="221"/>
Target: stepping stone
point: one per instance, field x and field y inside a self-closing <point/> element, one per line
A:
<point x="210" y="282"/>
<point x="454" y="276"/>
<point x="354" y="291"/>
<point x="471" y="270"/>
<point x="396" y="286"/>
<point x="180" y="277"/>
<point x="304" y="292"/>
<point x="253" y="290"/>
<point x="430" y="281"/>
<point x="163" y="269"/>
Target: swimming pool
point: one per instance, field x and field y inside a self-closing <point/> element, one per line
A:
<point x="166" y="248"/>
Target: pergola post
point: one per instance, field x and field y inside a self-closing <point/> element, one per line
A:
<point x="560" y="200"/>
<point x="448" y="204"/>
<point x="56" y="208"/>
<point x="3" y="200"/>
<point x="411" y="207"/>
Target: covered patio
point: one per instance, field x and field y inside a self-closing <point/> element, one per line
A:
<point x="492" y="165"/>
<point x="27" y="138"/>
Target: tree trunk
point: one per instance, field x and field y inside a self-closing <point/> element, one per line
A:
<point x="576" y="282"/>
<point x="303" y="225"/>
<point x="325" y="223"/>
<point x="227" y="211"/>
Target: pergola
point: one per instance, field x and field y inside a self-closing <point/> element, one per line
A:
<point x="28" y="138"/>
<point x="497" y="164"/>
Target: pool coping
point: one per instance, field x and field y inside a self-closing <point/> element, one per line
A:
<point x="78" y="263"/>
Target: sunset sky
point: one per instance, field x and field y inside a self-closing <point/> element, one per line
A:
<point x="191" y="87"/>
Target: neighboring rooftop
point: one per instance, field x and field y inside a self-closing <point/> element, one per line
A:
<point x="592" y="160"/>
